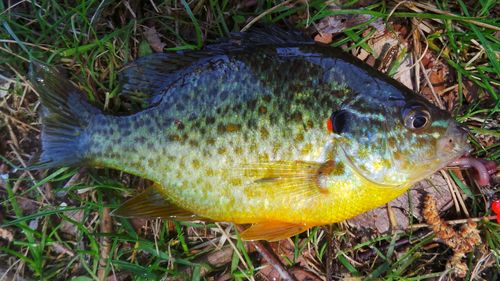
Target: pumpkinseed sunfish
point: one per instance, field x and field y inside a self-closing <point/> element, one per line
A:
<point x="268" y="129"/>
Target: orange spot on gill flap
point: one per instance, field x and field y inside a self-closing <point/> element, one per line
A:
<point x="329" y="125"/>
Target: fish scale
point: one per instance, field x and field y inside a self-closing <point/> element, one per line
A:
<point x="239" y="133"/>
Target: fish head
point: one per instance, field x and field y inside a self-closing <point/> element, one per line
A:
<point x="397" y="142"/>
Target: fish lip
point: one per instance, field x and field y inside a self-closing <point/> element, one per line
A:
<point x="460" y="153"/>
<point x="351" y="164"/>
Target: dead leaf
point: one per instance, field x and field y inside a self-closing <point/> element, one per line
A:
<point x="404" y="74"/>
<point x="29" y="206"/>
<point x="386" y="48"/>
<point x="470" y="90"/>
<point x="438" y="73"/>
<point x="6" y="234"/>
<point x="68" y="227"/>
<point x="338" y="23"/>
<point x="139" y="223"/>
<point x="4" y="87"/>
<point x="153" y="38"/>
<point x="60" y="249"/>
<point x="324" y="38"/>
<point x="304" y="275"/>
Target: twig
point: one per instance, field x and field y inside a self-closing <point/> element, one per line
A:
<point x="416" y="52"/>
<point x="106" y="227"/>
<point x="71" y="182"/>
<point x="395" y="8"/>
<point x="14" y="54"/>
<point x="232" y="245"/>
<point x="20" y="267"/>
<point x="19" y="121"/>
<point x="392" y="217"/>
<point x="437" y="11"/>
<point x="268" y="254"/>
<point x="13" y="137"/>
<point x="486" y="261"/>
<point x="452" y="193"/>
<point x="6" y="12"/>
<point x="18" y="156"/>
<point x="454" y="222"/>
<point x="454" y="189"/>
<point x="5" y="273"/>
<point x="257" y="18"/>
<point x="429" y="83"/>
<point x="451" y="88"/>
<point x="27" y="44"/>
<point x="329" y="254"/>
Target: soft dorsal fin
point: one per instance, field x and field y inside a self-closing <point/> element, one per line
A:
<point x="273" y="230"/>
<point x="152" y="204"/>
<point x="151" y="74"/>
<point x="147" y="77"/>
<point x="298" y="178"/>
<point x="260" y="36"/>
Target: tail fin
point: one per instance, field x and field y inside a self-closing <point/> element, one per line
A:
<point x="65" y="117"/>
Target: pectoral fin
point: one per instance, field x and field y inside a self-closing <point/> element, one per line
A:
<point x="299" y="178"/>
<point x="152" y="204"/>
<point x="272" y="231"/>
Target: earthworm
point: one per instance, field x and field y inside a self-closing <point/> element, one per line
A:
<point x="482" y="167"/>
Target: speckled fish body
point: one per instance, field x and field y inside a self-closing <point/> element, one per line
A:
<point x="240" y="133"/>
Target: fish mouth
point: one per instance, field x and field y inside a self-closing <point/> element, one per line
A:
<point x="482" y="168"/>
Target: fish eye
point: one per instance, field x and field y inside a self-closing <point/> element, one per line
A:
<point x="416" y="117"/>
<point x="338" y="120"/>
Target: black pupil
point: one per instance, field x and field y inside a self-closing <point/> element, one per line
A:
<point x="419" y="121"/>
<point x="338" y="120"/>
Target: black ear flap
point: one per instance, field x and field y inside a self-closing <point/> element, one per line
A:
<point x="339" y="119"/>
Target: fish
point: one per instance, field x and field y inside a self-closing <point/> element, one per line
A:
<point x="265" y="128"/>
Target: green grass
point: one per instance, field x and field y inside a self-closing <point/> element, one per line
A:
<point x="94" y="39"/>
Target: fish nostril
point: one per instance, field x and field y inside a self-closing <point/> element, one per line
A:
<point x="446" y="144"/>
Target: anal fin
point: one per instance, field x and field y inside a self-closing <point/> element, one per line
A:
<point x="272" y="231"/>
<point x="152" y="204"/>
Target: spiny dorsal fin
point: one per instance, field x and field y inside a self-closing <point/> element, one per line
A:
<point x="147" y="77"/>
<point x="152" y="204"/>
<point x="260" y="36"/>
<point x="272" y="231"/>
